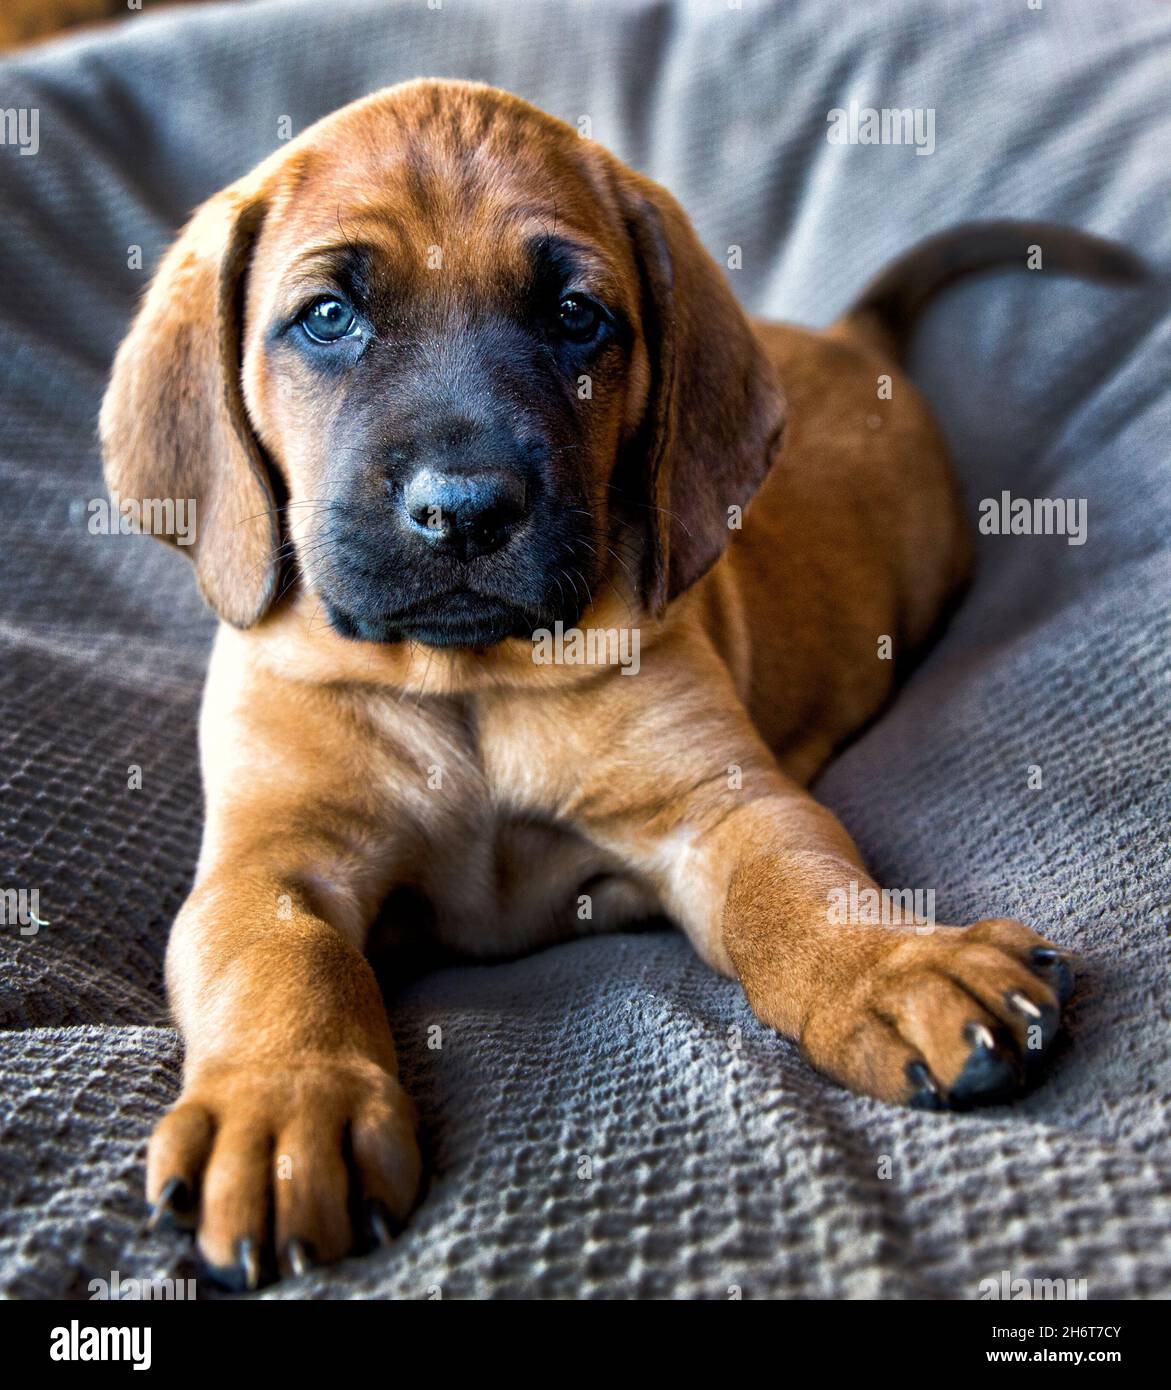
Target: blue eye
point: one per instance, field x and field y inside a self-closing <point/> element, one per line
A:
<point x="579" y="318"/>
<point x="328" y="320"/>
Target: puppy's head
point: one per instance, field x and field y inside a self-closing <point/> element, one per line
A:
<point x="447" y="366"/>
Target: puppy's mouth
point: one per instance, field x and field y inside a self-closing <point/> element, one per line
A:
<point x="460" y="618"/>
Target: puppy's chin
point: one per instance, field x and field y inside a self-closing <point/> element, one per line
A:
<point x="456" y="620"/>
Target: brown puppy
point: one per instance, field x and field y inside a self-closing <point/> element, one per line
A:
<point x="442" y="375"/>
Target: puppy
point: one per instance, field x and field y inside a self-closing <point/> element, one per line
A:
<point x="448" y="383"/>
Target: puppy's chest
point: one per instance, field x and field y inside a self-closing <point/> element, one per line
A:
<point x="495" y="869"/>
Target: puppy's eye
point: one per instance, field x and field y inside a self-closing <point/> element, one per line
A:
<point x="328" y="320"/>
<point x="579" y="318"/>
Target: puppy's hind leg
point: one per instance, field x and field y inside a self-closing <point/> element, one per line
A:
<point x="553" y="885"/>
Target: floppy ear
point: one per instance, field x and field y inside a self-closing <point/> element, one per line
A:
<point x="715" y="416"/>
<point x="173" y="422"/>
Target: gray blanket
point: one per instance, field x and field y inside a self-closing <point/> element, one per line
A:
<point x="711" y="1167"/>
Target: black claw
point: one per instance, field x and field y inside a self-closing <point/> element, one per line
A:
<point x="173" y="1208"/>
<point x="1055" y="969"/>
<point x="245" y="1275"/>
<point x="380" y="1224"/>
<point x="991" y="1072"/>
<point x="300" y="1257"/>
<point x="925" y="1093"/>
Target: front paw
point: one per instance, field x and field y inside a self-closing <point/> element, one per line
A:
<point x="283" y="1167"/>
<point x="957" y="1018"/>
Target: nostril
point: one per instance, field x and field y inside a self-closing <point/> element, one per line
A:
<point x="424" y="500"/>
<point x="474" y="510"/>
<point x="499" y="497"/>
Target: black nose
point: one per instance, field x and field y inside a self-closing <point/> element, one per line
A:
<point x="468" y="513"/>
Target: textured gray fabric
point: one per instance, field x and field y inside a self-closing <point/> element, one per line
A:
<point x="712" y="1165"/>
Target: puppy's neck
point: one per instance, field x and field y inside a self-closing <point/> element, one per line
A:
<point x="296" y="641"/>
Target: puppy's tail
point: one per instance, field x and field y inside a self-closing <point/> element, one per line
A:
<point x="893" y="302"/>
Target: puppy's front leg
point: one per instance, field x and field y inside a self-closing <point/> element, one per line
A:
<point x="289" y="1064"/>
<point x="909" y="1013"/>
<point x="292" y="1131"/>
<point x="754" y="869"/>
